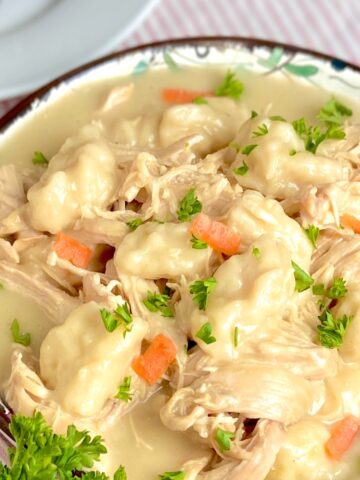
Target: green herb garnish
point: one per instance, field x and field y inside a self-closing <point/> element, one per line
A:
<point x="205" y="334"/>
<point x="261" y="130"/>
<point x="313" y="136"/>
<point x="18" y="337"/>
<point x="332" y="330"/>
<point x="134" y="224"/>
<point x="253" y="114"/>
<point x="189" y="205"/>
<point x="42" y="454"/>
<point x="292" y="152"/>
<point x="198" y="244"/>
<point x="334" y="113"/>
<point x="236" y="146"/>
<point x="200" y="101"/>
<point x="256" y="253"/>
<point x="121" y="316"/>
<point x="303" y="281"/>
<point x="318" y="289"/>
<point x="39" y="159"/>
<point x="338" y="289"/>
<point x="157" y="302"/>
<point x="180" y="475"/>
<point x="248" y="149"/>
<point x="223" y="439"/>
<point x="201" y="289"/>
<point x="241" y="170"/>
<point x="277" y="118"/>
<point x="312" y="233"/>
<point x="230" y="87"/>
<point x="236" y="336"/>
<point x="123" y="392"/>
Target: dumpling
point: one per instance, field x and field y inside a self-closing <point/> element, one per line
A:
<point x="156" y="251"/>
<point x="83" y="363"/>
<point x="82" y="174"/>
<point x="249" y="292"/>
<point x="272" y="170"/>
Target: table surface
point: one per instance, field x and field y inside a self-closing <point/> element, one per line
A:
<point x="329" y="26"/>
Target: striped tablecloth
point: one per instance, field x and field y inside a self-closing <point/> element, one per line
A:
<point x="329" y="26"/>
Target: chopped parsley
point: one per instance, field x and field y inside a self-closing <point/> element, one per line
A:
<point x="157" y="302"/>
<point x="180" y="475"/>
<point x="18" y="337"/>
<point x="303" y="281"/>
<point x="198" y="244"/>
<point x="338" y="289"/>
<point x="134" y="224"/>
<point x="124" y="390"/>
<point x="241" y="170"/>
<point x="120" y="316"/>
<point x="277" y="118"/>
<point x="39" y="159"/>
<point x="230" y="87"/>
<point x="248" y="149"/>
<point x="256" y="253"/>
<point x="261" y="130"/>
<point x="200" y="101"/>
<point x="253" y="114"/>
<point x="314" y="135"/>
<point x="205" y="334"/>
<point x="41" y="453"/>
<point x="236" y="336"/>
<point x="201" y="289"/>
<point x="312" y="233"/>
<point x="292" y="152"/>
<point x="331" y="330"/>
<point x="223" y="439"/>
<point x="319" y="289"/>
<point x="189" y="205"/>
<point x="334" y="113"/>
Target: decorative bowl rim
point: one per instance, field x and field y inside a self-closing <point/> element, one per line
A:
<point x="24" y="104"/>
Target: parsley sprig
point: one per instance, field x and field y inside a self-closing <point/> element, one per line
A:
<point x="124" y="392"/>
<point x="332" y="330"/>
<point x="303" y="280"/>
<point x="261" y="130"/>
<point x="179" y="475"/>
<point x="18" y="337"/>
<point x="120" y="316"/>
<point x="201" y="289"/>
<point x="334" y="113"/>
<point x="189" y="206"/>
<point x="205" y="334"/>
<point x="39" y="159"/>
<point x="134" y="224"/>
<point x="198" y="244"/>
<point x="312" y="233"/>
<point x="242" y="170"/>
<point x="230" y="87"/>
<point x="337" y="290"/>
<point x="40" y="453"/>
<point x="223" y="439"/>
<point x="157" y="302"/>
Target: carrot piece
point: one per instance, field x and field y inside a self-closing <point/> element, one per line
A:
<point x="342" y="437"/>
<point x="154" y="362"/>
<point x="350" y="222"/>
<point x="177" y="95"/>
<point x="216" y="234"/>
<point x="71" y="249"/>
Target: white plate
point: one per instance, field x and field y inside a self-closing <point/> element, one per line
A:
<point x="41" y="39"/>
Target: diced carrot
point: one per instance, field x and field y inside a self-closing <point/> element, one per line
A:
<point x="219" y="236"/>
<point x="342" y="436"/>
<point x="350" y="222"/>
<point x="69" y="248"/>
<point x="154" y="362"/>
<point x="177" y="95"/>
